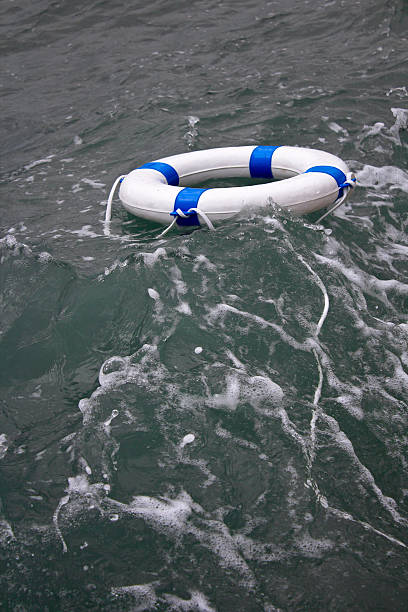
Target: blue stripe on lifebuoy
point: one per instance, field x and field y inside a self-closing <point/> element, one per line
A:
<point x="187" y="198"/>
<point x="336" y="173"/>
<point x="260" y="164"/>
<point x="170" y="174"/>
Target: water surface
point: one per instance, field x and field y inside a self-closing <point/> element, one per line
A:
<point x="215" y="420"/>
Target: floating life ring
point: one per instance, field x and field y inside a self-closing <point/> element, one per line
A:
<point x="307" y="180"/>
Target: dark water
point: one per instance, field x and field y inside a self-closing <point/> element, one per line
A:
<point x="269" y="470"/>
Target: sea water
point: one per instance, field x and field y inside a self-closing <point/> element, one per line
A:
<point x="211" y="421"/>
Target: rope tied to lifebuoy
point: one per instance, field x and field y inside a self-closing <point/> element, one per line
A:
<point x="108" y="213"/>
<point x="156" y="189"/>
<point x="184" y="215"/>
<point x="348" y="184"/>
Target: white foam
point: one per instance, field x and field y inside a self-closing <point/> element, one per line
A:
<point x="3" y="445"/>
<point x="76" y="188"/>
<point x="227" y="435"/>
<point x="335" y="127"/>
<point x="217" y="538"/>
<point x="78" y="484"/>
<point x="14" y="247"/>
<point x="84" y="464"/>
<point x="94" y="184"/>
<point x="400" y="91"/>
<point x="313" y="547"/>
<point x="6" y="533"/>
<point x="108" y="421"/>
<point x="113" y="371"/>
<point x="261" y="388"/>
<point x="45" y="257"/>
<point x="144" y="368"/>
<point x="155" y="295"/>
<point x="380" y="177"/>
<point x="188" y="439"/>
<point x="237" y="363"/>
<point x="151" y="258"/>
<point x="197" y="602"/>
<point x="38" y="162"/>
<point x="192" y="132"/>
<point x="230" y="398"/>
<point x="261" y="552"/>
<point x="401" y="123"/>
<point x="202" y="465"/>
<point x="352" y="404"/>
<point x="116" y="265"/>
<point x="86" y="231"/>
<point x="143" y="595"/>
<point x="163" y="513"/>
<point x="219" y="311"/>
<point x="183" y="308"/>
<point x="177" y="280"/>
<point x="391" y="134"/>
<point x="203" y="262"/>
<point x="365" y="475"/>
<point x="368" y="283"/>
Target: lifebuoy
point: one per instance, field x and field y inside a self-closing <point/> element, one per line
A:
<point x="307" y="180"/>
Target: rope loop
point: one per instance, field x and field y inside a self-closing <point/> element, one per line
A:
<point x="184" y="215"/>
<point x="108" y="213"/>
<point x="348" y="184"/>
<point x="180" y="213"/>
<point x="203" y="216"/>
<point x="350" y="181"/>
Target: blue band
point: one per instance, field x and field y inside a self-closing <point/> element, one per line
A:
<point x="187" y="198"/>
<point x="260" y="164"/>
<point x="336" y="173"/>
<point x="167" y="171"/>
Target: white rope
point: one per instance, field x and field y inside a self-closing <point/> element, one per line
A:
<point x="108" y="213"/>
<point x="350" y="183"/>
<point x="202" y="214"/>
<point x="318" y="390"/>
<point x="168" y="228"/>
<point x="322" y="289"/>
<point x="316" y="412"/>
<point x="183" y="215"/>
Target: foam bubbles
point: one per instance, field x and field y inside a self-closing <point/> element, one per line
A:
<point x="150" y="259"/>
<point x="192" y="132"/>
<point x="164" y="513"/>
<point x="313" y="547"/>
<point x="3" y="445"/>
<point x="188" y="439"/>
<point x="230" y="398"/>
<point x="380" y="177"/>
<point x="261" y="388"/>
<point x="197" y="603"/>
<point x="113" y="370"/>
<point x="257" y="390"/>
<point x="153" y="294"/>
<point x="143" y="595"/>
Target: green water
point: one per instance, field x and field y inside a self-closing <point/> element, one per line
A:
<point x="183" y="423"/>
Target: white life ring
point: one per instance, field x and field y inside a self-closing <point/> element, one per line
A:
<point x="161" y="190"/>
